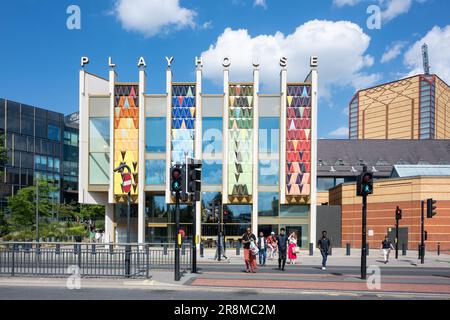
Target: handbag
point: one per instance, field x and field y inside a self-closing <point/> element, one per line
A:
<point x="253" y="248"/>
<point x="297" y="250"/>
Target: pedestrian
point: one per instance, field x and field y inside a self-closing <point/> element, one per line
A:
<point x="282" y="241"/>
<point x="250" y="259"/>
<point x="292" y="254"/>
<point x="262" y="246"/>
<point x="220" y="250"/>
<point x="98" y="236"/>
<point x="272" y="245"/>
<point x="324" y="245"/>
<point x="386" y="246"/>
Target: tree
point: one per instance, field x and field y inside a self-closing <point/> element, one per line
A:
<point x="23" y="206"/>
<point x="3" y="151"/>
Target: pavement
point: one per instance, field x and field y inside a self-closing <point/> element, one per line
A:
<point x="404" y="278"/>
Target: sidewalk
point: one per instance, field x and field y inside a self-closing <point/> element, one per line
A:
<point x="338" y="258"/>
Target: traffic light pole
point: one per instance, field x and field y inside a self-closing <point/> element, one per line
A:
<point x="364" y="239"/>
<point x="422" y="231"/>
<point x="194" y="240"/>
<point x="128" y="247"/>
<point x="219" y="248"/>
<point x="396" y="236"/>
<point x="177" y="228"/>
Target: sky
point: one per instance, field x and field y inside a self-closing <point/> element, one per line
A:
<point x="360" y="43"/>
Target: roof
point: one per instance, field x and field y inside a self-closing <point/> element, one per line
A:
<point x="403" y="171"/>
<point x="346" y="157"/>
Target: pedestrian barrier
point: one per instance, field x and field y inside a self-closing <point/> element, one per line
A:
<point x="92" y="260"/>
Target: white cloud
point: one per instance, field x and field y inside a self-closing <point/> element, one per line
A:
<point x="390" y="8"/>
<point x="151" y="17"/>
<point x="341" y="132"/>
<point x="261" y="3"/>
<point x="342" y="3"/>
<point x="438" y="40"/>
<point x="341" y="47"/>
<point x="392" y="52"/>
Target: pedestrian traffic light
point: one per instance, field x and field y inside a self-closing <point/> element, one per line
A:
<point x="364" y="184"/>
<point x="176" y="178"/>
<point x="398" y="214"/>
<point x="193" y="178"/>
<point x="431" y="208"/>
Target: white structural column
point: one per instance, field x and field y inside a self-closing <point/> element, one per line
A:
<point x="112" y="82"/>
<point x="141" y="162"/>
<point x="314" y="106"/>
<point x="198" y="141"/>
<point x="83" y="154"/>
<point x="168" y="131"/>
<point x="255" y="152"/>
<point x="283" y="113"/>
<point x="109" y="223"/>
<point x="226" y="93"/>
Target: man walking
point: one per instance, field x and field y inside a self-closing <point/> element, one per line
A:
<point x="324" y="245"/>
<point x="386" y="246"/>
<point x="262" y="246"/>
<point x="282" y="240"/>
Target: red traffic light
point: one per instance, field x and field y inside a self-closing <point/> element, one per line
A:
<point x="176" y="173"/>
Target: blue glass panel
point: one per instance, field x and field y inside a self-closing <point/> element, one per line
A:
<point x="155" y="172"/>
<point x="268" y="173"/>
<point x="155" y="134"/>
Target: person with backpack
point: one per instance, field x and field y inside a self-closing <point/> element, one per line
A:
<point x="248" y="241"/>
<point x="324" y="245"/>
<point x="282" y="240"/>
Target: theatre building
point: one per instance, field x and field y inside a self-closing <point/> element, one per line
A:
<point x="258" y="152"/>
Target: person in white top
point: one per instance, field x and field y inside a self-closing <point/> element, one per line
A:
<point x="292" y="254"/>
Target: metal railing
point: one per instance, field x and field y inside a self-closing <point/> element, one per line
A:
<point x="90" y="259"/>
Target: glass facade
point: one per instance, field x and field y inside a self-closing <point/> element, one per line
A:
<point x="155" y="134"/>
<point x="99" y="140"/>
<point x="35" y="148"/>
<point x="155" y="172"/>
<point x="268" y="204"/>
<point x="212" y="136"/>
<point x="353" y="117"/>
<point x="427" y="116"/>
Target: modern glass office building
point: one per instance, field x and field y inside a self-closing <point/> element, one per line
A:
<point x="258" y="152"/>
<point x="37" y="141"/>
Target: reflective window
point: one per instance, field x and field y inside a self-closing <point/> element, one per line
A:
<point x="155" y="134"/>
<point x="211" y="172"/>
<point x="210" y="213"/>
<point x="268" y="204"/>
<point x="269" y="135"/>
<point x="325" y="184"/>
<point x="13" y="116"/>
<point x="237" y="213"/>
<point x="212" y="135"/>
<point x="268" y="173"/>
<point x="294" y="211"/>
<point x="99" y="141"/>
<point x="155" y="172"/>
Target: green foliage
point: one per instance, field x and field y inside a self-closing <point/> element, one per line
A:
<point x="93" y="212"/>
<point x="3" y="151"/>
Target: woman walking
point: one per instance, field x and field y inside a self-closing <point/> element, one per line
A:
<point x="292" y="254"/>
<point x="250" y="259"/>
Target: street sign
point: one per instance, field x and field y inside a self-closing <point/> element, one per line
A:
<point x="126" y="182"/>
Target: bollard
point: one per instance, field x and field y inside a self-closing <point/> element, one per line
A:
<point x="418" y="250"/>
<point x="165" y="249"/>
<point x="58" y="248"/>
<point x="367" y="249"/>
<point x="238" y="249"/>
<point x="347" y="246"/>
<point x="439" y="249"/>
<point x="183" y="249"/>
<point x="202" y="247"/>
<point x="311" y="249"/>
<point x="403" y="249"/>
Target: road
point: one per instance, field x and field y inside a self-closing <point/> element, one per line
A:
<point x="229" y="282"/>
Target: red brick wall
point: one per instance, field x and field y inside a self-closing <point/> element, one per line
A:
<point x="381" y="216"/>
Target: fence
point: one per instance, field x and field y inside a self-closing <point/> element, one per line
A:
<point x="91" y="260"/>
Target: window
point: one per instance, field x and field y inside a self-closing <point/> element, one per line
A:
<point x="207" y="214"/>
<point x="211" y="172"/>
<point x="155" y="134"/>
<point x="268" y="204"/>
<point x="237" y="213"/>
<point x="325" y="184"/>
<point x="268" y="173"/>
<point x="13" y="116"/>
<point x="212" y="136"/>
<point x="99" y="140"/>
<point x="294" y="211"/>
<point x="155" y="172"/>
<point x="269" y="135"/>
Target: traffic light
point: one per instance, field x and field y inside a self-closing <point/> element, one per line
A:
<point x="431" y="208"/>
<point x="364" y="184"/>
<point x="193" y="178"/>
<point x="398" y="214"/>
<point x="176" y="178"/>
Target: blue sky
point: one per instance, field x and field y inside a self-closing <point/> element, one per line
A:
<point x="40" y="56"/>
